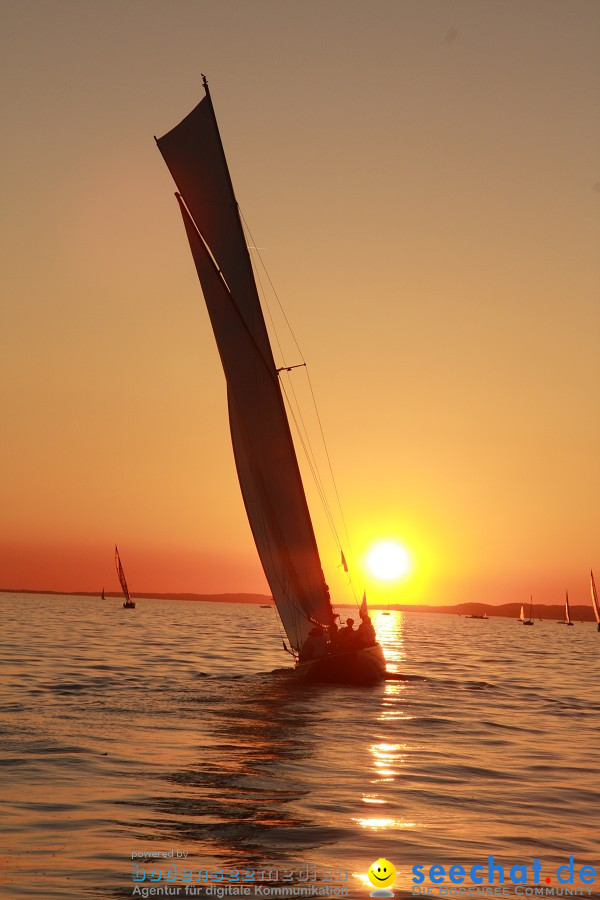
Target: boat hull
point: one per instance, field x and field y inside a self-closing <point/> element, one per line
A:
<point x="363" y="666"/>
<point x="129" y="606"/>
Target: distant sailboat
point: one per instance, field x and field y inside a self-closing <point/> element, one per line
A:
<point x="528" y="621"/>
<point x="129" y="603"/>
<point x="595" y="602"/>
<point x="102" y="597"/>
<point x="264" y="453"/>
<point x="567" y="619"/>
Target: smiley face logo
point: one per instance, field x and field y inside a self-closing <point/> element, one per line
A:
<point x="381" y="873"/>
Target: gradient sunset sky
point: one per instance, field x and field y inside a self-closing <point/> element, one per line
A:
<point x="422" y="178"/>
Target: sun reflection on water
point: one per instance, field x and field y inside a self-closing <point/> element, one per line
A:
<point x="389" y="629"/>
<point x="376" y="823"/>
<point x="389" y="758"/>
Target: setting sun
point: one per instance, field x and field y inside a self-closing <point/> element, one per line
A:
<point x="388" y="561"/>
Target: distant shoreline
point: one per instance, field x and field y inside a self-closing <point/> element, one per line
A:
<point x="554" y="612"/>
<point x="147" y="595"/>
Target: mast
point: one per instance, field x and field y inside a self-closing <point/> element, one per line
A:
<point x="595" y="603"/>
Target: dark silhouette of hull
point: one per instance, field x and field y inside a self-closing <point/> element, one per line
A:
<point x="360" y="667"/>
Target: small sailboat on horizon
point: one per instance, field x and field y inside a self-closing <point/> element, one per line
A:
<point x="263" y="448"/>
<point x="567" y="618"/>
<point x="522" y="618"/>
<point x="129" y="603"/>
<point x="595" y="603"/>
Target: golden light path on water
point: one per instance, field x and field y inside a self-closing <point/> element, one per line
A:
<point x="389" y="628"/>
<point x="388" y="757"/>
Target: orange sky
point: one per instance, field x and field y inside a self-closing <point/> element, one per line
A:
<point x="423" y="181"/>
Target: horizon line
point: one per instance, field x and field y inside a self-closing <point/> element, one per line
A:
<point x="254" y="598"/>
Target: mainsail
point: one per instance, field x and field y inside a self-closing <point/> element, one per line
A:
<point x="595" y="603"/>
<point x="121" y="575"/>
<point x="567" y="610"/>
<point x="264" y="452"/>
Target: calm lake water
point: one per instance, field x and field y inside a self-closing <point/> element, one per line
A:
<point x="167" y="728"/>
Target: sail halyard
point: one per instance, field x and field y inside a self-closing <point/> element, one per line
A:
<point x="264" y="453"/>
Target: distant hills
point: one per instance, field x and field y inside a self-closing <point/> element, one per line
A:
<point x="505" y="610"/>
<point x="555" y="613"/>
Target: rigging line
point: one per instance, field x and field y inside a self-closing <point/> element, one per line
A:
<point x="309" y="448"/>
<point x="311" y="458"/>
<point x="310" y="453"/>
<point x="329" y="462"/>
<point x="247" y="227"/>
<point x="310" y="464"/>
<point x="262" y="293"/>
<point x="272" y="285"/>
<point x="353" y="589"/>
<point x="313" y="472"/>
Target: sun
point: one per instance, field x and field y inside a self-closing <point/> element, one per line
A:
<point x="388" y="561"/>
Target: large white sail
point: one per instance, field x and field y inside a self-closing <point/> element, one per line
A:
<point x="263" y="448"/>
<point x="595" y="603"/>
<point x="567" y="610"/>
